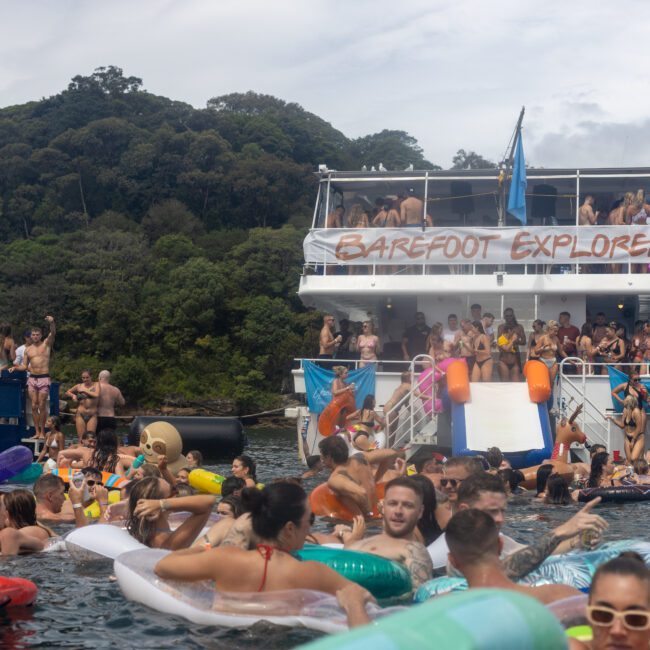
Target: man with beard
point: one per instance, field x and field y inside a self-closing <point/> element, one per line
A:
<point x="403" y="507"/>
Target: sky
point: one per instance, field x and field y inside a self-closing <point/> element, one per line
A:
<point x="454" y="74"/>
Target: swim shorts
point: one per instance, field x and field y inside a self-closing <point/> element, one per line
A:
<point x="39" y="383"/>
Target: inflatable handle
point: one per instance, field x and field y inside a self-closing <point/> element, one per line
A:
<point x="458" y="382"/>
<point x="538" y="380"/>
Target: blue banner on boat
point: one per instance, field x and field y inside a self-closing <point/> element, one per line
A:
<point x="616" y="378"/>
<point x="318" y="382"/>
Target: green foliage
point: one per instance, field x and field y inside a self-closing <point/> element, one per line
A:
<point x="471" y="160"/>
<point x="166" y="240"/>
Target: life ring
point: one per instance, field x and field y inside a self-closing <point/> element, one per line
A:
<point x="616" y="493"/>
<point x="383" y="578"/>
<point x="17" y="592"/>
<point x="206" y="482"/>
<point x="573" y="569"/>
<point x="324" y="503"/>
<point x="201" y="604"/>
<point x="329" y="418"/>
<point x="108" y="480"/>
<point x="14" y="460"/>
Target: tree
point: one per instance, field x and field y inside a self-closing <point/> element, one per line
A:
<point x="395" y="149"/>
<point x="471" y="160"/>
<point x="170" y="217"/>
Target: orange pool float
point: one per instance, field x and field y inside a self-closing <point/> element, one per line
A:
<point x="538" y="380"/>
<point x="458" y="382"/>
<point x="324" y="503"/>
<point x="108" y="480"/>
<point x="329" y="418"/>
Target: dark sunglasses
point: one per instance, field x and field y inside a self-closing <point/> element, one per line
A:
<point x="633" y="619"/>
<point x="452" y="482"/>
<point x="90" y="482"/>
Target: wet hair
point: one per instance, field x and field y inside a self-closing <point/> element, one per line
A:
<point x="149" y="470"/>
<point x="235" y="503"/>
<point x="56" y="422"/>
<point x="368" y="402"/>
<point x="198" y="456"/>
<point x="598" y="462"/>
<point x="142" y="528"/>
<point x="626" y="564"/>
<point x="428" y="524"/>
<point x="640" y="466"/>
<point x="469" y="491"/>
<point x="105" y="456"/>
<point x="312" y="461"/>
<point x="21" y="508"/>
<point x="249" y="464"/>
<point x="511" y="477"/>
<point x="335" y="448"/>
<point x="231" y="485"/>
<point x="45" y="483"/>
<point x="596" y="449"/>
<point x="273" y="507"/>
<point x="494" y="457"/>
<point x="557" y="490"/>
<point x="543" y="472"/>
<point x="472" y="535"/>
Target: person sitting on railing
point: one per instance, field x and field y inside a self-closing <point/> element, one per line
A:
<point x="585" y="348"/>
<point x="482" y="370"/>
<point x="632" y="423"/>
<point x="548" y="347"/>
<point x="508" y="353"/>
<point x="367" y="344"/>
<point x="611" y="348"/>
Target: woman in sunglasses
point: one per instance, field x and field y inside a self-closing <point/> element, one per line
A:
<point x="619" y="605"/>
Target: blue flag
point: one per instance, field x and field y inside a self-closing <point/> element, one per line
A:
<point x="517" y="196"/>
<point x="318" y="382"/>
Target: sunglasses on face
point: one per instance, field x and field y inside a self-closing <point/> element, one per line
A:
<point x="90" y="482"/>
<point x="452" y="482"/>
<point x="633" y="619"/>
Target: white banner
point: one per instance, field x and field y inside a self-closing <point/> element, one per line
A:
<point x="534" y="245"/>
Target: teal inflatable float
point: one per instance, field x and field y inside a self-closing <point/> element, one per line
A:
<point x="383" y="578"/>
<point x="29" y="474"/>
<point x="574" y="569"/>
<point x="481" y="619"/>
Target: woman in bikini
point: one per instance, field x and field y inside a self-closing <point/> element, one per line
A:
<point x="535" y="336"/>
<point x="54" y="443"/>
<point x="482" y="370"/>
<point x="635" y="388"/>
<point x="631" y="422"/>
<point x="508" y="353"/>
<point x="585" y="347"/>
<point x="466" y="343"/>
<point x="611" y="347"/>
<point x="19" y="529"/>
<point x="434" y="340"/>
<point x="547" y="347"/>
<point x="281" y="519"/>
<point x="86" y="395"/>
<point x="357" y="218"/>
<point x="367" y="344"/>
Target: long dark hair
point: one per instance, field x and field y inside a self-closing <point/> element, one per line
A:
<point x="142" y="528"/>
<point x="557" y="490"/>
<point x="273" y="507"/>
<point x="105" y="456"/>
<point x="543" y="472"/>
<point x="249" y="464"/>
<point x="428" y="524"/>
<point x="21" y="508"/>
<point x="598" y="462"/>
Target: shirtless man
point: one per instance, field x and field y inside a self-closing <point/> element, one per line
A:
<point x="109" y="397"/>
<point x="398" y="542"/>
<point x="51" y="504"/>
<point x="37" y="362"/>
<point x="474" y="548"/>
<point x="335" y="219"/>
<point x="411" y="211"/>
<point x="351" y="478"/>
<point x="586" y="214"/>
<point x="328" y="344"/>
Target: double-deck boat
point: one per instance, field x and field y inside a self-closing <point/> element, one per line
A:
<point x="475" y="252"/>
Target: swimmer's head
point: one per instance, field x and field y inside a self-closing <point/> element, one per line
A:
<point x="333" y="451"/>
<point x="183" y="475"/>
<point x="143" y="528"/>
<point x="194" y="458"/>
<point x="473" y="539"/>
<point x="484" y="492"/>
<point x="50" y="490"/>
<point x="244" y="467"/>
<point x="403" y="506"/>
<point x="20" y="508"/>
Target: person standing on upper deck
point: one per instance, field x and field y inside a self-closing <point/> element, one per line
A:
<point x="568" y="335"/>
<point x="586" y="214"/>
<point x="452" y="332"/>
<point x="37" y="360"/>
<point x="367" y="344"/>
<point x="412" y="211"/>
<point x="600" y="328"/>
<point x="335" y="218"/>
<point x="414" y="341"/>
<point x="328" y="343"/>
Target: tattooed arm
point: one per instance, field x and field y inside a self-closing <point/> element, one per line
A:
<point x="418" y="562"/>
<point x="527" y="559"/>
<point x="240" y="534"/>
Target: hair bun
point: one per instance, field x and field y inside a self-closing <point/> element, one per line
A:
<point x="253" y="499"/>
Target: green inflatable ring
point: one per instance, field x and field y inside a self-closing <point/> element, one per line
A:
<point x="381" y="577"/>
<point x="28" y="475"/>
<point x="479" y="619"/>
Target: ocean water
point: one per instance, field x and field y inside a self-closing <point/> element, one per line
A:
<point x="82" y="607"/>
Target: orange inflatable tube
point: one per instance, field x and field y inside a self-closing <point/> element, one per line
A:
<point x="108" y="480"/>
<point x="329" y="418"/>
<point x="324" y="503"/>
<point x="458" y="382"/>
<point x="538" y="380"/>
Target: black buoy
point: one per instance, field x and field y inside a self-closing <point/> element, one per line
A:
<point x="213" y="437"/>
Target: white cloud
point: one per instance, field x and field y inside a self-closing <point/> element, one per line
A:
<point x="453" y="74"/>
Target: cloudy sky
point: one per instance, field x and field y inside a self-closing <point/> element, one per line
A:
<point x="452" y="73"/>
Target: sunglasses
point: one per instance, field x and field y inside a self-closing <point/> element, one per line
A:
<point x="633" y="619"/>
<point x="90" y="482"/>
<point x="452" y="482"/>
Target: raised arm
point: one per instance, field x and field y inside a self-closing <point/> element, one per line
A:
<point x="50" y="337"/>
<point x="616" y="391"/>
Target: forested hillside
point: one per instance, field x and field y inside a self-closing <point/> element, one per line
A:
<point x="166" y="240"/>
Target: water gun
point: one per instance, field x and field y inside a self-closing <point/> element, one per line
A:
<point x="138" y="462"/>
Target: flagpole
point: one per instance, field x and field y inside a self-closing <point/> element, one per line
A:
<point x="506" y="170"/>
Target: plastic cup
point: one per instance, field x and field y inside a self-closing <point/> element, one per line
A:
<point x="617" y="455"/>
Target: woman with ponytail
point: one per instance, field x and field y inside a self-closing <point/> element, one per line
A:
<point x="280" y="520"/>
